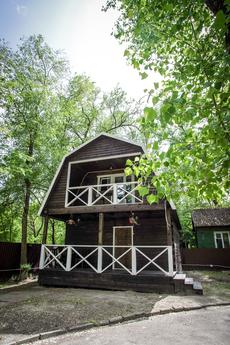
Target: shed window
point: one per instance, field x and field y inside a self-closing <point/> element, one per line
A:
<point x="222" y="239"/>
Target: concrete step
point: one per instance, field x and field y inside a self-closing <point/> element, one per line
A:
<point x="179" y="276"/>
<point x="197" y="287"/>
<point x="188" y="281"/>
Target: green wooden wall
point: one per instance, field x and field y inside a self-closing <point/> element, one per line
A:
<point x="205" y="236"/>
<point x="205" y="239"/>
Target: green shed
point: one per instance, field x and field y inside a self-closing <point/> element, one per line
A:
<point x="212" y="227"/>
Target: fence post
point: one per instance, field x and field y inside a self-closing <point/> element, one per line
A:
<point x="99" y="259"/>
<point x="69" y="258"/>
<point x="42" y="257"/>
<point x="170" y="261"/>
<point x="134" y="261"/>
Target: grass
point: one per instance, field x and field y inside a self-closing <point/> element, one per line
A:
<point x="215" y="283"/>
<point x="7" y="284"/>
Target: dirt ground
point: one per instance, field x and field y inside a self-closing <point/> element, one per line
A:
<point x="40" y="309"/>
<point x="36" y="309"/>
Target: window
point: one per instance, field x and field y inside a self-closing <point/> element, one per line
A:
<point x="222" y="239"/>
<point x="123" y="185"/>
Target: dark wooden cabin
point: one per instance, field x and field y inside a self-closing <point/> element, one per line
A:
<point x="114" y="238"/>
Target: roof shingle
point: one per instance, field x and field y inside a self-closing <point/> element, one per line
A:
<point x="211" y="217"/>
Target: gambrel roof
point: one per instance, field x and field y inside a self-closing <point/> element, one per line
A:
<point x="101" y="147"/>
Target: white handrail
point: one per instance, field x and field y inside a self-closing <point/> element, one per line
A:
<point x="64" y="257"/>
<point x="106" y="193"/>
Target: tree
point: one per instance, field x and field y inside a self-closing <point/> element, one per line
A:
<point x="28" y="78"/>
<point x="88" y="111"/>
<point x="45" y="112"/>
<point x="188" y="122"/>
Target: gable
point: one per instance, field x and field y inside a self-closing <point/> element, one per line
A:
<point x="101" y="147"/>
<point x="104" y="146"/>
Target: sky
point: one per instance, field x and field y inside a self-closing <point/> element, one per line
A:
<point x="82" y="30"/>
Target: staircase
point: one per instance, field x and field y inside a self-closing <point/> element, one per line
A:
<point x="187" y="285"/>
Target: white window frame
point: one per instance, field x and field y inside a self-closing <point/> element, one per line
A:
<point x="222" y="239"/>
<point x="112" y="177"/>
<point x="112" y="181"/>
<point x="114" y="237"/>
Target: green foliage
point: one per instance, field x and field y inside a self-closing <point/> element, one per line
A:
<point x="188" y="124"/>
<point x="44" y="113"/>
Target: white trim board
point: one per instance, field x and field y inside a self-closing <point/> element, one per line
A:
<point x="106" y="157"/>
<point x="82" y="161"/>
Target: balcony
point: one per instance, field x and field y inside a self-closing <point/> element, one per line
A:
<point x="103" y="194"/>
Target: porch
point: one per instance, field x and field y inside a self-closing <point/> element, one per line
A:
<point x="98" y="258"/>
<point x="140" y="268"/>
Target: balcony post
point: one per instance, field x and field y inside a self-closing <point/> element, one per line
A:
<point x="42" y="257"/>
<point x="170" y="261"/>
<point x="134" y="261"/>
<point x="90" y="195"/>
<point x="114" y="193"/>
<point x="99" y="259"/>
<point x="100" y="228"/>
<point x="69" y="258"/>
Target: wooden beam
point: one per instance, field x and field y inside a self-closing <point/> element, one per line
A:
<point x="100" y="229"/>
<point x="169" y="224"/>
<point x="104" y="209"/>
<point x="45" y="230"/>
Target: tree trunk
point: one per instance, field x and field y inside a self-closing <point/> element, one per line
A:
<point x="27" y="184"/>
<point x="215" y="6"/>
<point x="25" y="222"/>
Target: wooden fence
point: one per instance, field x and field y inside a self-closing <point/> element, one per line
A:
<point x="205" y="258"/>
<point x="10" y="258"/>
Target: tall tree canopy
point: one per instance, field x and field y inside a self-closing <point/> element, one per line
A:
<point x="187" y="43"/>
<point x="44" y="113"/>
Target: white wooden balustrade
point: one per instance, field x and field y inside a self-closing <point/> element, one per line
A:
<point x="113" y="193"/>
<point x="71" y="257"/>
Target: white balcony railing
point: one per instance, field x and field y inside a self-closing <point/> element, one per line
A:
<point x="114" y="193"/>
<point x="133" y="259"/>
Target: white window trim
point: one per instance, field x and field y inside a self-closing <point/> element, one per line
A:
<point x="114" y="244"/>
<point x="112" y="177"/>
<point x="222" y="239"/>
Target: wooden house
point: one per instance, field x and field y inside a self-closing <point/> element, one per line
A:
<point x="114" y="238"/>
<point x="212" y="227"/>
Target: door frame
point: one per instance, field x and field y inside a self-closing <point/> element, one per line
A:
<point x="114" y="230"/>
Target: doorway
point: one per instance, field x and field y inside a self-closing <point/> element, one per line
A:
<point x="122" y="236"/>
